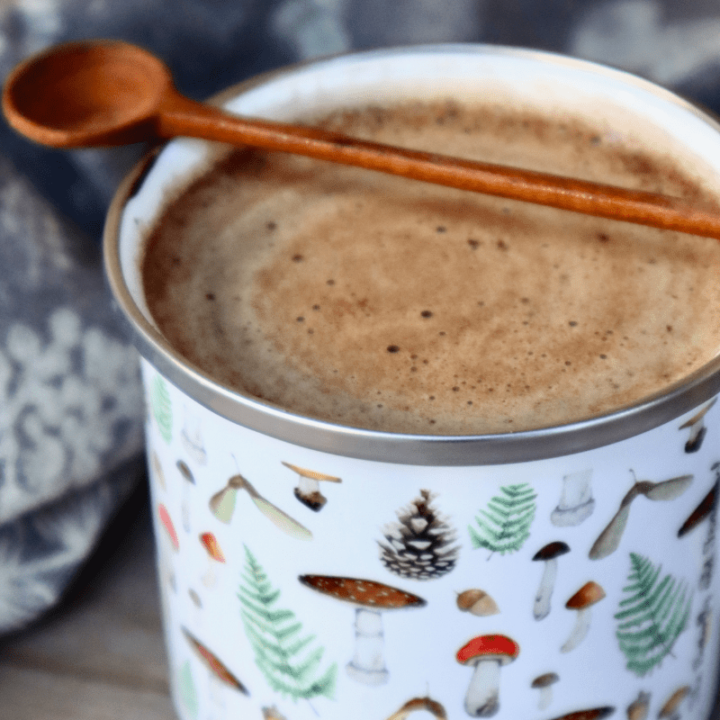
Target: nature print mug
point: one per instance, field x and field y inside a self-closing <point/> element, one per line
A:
<point x="313" y="570"/>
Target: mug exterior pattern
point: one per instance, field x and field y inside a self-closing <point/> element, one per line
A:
<point x="300" y="584"/>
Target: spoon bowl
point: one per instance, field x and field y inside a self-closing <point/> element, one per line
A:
<point x="87" y="93"/>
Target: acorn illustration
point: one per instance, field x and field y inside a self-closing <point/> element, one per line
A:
<point x="477" y="602"/>
<point x="638" y="708"/>
<point x="576" y="501"/>
<point x="582" y="601"/>
<point x="370" y="599"/>
<point x="486" y="654"/>
<point x="308" y="487"/>
<point x="548" y="555"/>
<point x="544" y="683"/>
<point x="421" y="545"/>
<point x="696" y="425"/>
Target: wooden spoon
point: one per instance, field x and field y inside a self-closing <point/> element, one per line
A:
<point x="112" y="93"/>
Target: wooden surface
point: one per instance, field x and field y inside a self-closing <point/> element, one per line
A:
<point x="100" y="656"/>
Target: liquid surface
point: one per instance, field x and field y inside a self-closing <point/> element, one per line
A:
<point x="390" y="304"/>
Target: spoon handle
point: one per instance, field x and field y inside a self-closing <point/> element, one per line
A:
<point x="182" y="116"/>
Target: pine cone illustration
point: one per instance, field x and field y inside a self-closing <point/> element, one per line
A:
<point x="419" y="546"/>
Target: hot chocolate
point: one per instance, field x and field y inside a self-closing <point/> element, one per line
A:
<point x="391" y="304"/>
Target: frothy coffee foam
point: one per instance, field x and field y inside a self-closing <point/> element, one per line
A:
<point x="390" y="304"/>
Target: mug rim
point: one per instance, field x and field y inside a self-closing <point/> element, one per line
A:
<point x="415" y="449"/>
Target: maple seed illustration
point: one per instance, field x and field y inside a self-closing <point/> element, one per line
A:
<point x="370" y="600"/>
<point x="704" y="510"/>
<point x="487" y="654"/>
<point x="222" y="503"/>
<point x="582" y="601"/>
<point x="638" y="708"/>
<point x="670" y="708"/>
<point x="308" y="487"/>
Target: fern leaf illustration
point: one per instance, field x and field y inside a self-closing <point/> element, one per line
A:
<point x="651" y="616"/>
<point x="504" y="525"/>
<point x="161" y="407"/>
<point x="287" y="659"/>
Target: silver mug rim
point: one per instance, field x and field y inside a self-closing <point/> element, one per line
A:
<point x="411" y="449"/>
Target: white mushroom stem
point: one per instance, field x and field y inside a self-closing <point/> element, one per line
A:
<point x="545" y="699"/>
<point x="209" y="579"/>
<point x="482" y="699"/>
<point x="541" y="608"/>
<point x="307" y="486"/>
<point x="185" y="506"/>
<point x="582" y="625"/>
<point x="368" y="663"/>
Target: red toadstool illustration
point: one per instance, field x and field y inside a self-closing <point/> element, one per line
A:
<point x="487" y="654"/>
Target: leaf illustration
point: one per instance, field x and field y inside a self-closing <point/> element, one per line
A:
<point x="651" y="616"/>
<point x="505" y="525"/>
<point x="286" y="657"/>
<point x="161" y="407"/>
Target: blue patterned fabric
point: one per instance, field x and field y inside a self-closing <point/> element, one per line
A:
<point x="70" y="405"/>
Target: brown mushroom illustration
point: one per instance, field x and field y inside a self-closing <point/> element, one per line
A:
<point x="272" y="713"/>
<point x="157" y="469"/>
<point x="702" y="511"/>
<point x="185" y="502"/>
<point x="576" y="500"/>
<point x="544" y="684"/>
<point x="218" y="670"/>
<point x="370" y="600"/>
<point x="425" y="705"/>
<point x="477" y="602"/>
<point x="609" y="539"/>
<point x="594" y="714"/>
<point x="582" y="601"/>
<point x="547" y="555"/>
<point x="487" y="654"/>
<point x="638" y="708"/>
<point x="215" y="555"/>
<point x="671" y="705"/>
<point x="308" y="487"/>
<point x="696" y="425"/>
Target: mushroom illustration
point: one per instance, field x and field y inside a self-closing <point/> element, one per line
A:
<point x="215" y="555"/>
<point x="157" y="470"/>
<point x="609" y="539"/>
<point x="670" y="708"/>
<point x="487" y="654"/>
<point x="703" y="510"/>
<point x="696" y="424"/>
<point x="598" y="713"/>
<point x="219" y="673"/>
<point x="189" y="481"/>
<point x="171" y="539"/>
<point x="638" y="708"/>
<point x="425" y="705"/>
<point x="272" y="713"/>
<point x="370" y="600"/>
<point x="587" y="596"/>
<point x="308" y="487"/>
<point x="548" y="555"/>
<point x="544" y="684"/>
<point x="191" y="439"/>
<point x="222" y="504"/>
<point x="477" y="602"/>
<point x="576" y="500"/>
